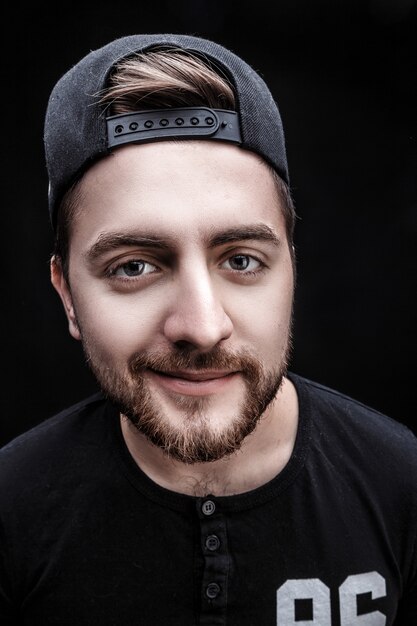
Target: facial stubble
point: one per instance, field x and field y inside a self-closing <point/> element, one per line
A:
<point x="195" y="440"/>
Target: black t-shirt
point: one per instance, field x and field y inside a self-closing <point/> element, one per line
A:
<point x="88" y="539"/>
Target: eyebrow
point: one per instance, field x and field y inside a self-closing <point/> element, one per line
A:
<point x="113" y="240"/>
<point x="257" y="232"/>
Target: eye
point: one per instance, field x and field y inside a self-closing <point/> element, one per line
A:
<point x="132" y="269"/>
<point x="243" y="263"/>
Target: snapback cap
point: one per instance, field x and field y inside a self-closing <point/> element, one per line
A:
<point x="77" y="131"/>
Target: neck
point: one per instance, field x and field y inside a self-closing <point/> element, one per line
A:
<point x="263" y="454"/>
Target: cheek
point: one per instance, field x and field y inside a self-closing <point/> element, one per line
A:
<point x="116" y="327"/>
<point x="263" y="319"/>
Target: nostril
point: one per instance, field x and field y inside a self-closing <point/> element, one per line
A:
<point x="184" y="345"/>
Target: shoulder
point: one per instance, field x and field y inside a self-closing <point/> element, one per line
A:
<point x="53" y="426"/>
<point x="55" y="442"/>
<point x="329" y="403"/>
<point x="358" y="429"/>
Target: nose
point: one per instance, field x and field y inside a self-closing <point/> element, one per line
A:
<point x="197" y="319"/>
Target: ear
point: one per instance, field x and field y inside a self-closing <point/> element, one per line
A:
<point x="61" y="285"/>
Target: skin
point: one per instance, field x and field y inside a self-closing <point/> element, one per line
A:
<point x="219" y="276"/>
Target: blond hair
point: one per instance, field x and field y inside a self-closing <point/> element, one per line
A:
<point x="166" y="79"/>
<point x="163" y="78"/>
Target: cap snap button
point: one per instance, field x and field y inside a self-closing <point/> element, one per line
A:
<point x="212" y="590"/>
<point x="208" y="507"/>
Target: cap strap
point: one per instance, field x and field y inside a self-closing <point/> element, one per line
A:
<point x="193" y="122"/>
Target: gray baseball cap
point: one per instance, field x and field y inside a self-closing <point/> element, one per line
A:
<point x="77" y="131"/>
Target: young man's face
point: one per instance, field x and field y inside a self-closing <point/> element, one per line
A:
<point x="181" y="290"/>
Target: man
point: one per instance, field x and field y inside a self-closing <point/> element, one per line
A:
<point x="206" y="483"/>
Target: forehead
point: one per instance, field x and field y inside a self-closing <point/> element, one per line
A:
<point x="181" y="189"/>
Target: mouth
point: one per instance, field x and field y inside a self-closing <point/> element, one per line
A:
<point x="193" y="383"/>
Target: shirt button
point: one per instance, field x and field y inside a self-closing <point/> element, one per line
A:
<point x="212" y="543"/>
<point x="208" y="507"/>
<point x="212" y="590"/>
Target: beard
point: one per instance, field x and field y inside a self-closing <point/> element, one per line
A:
<point x="195" y="439"/>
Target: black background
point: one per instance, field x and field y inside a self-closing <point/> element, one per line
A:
<point x="344" y="76"/>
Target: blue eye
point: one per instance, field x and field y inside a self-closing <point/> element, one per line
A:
<point x="243" y="262"/>
<point x="133" y="269"/>
<point x="239" y="262"/>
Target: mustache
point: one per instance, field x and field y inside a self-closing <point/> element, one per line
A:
<point x="217" y="359"/>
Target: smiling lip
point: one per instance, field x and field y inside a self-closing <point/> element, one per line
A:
<point x="191" y="383"/>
